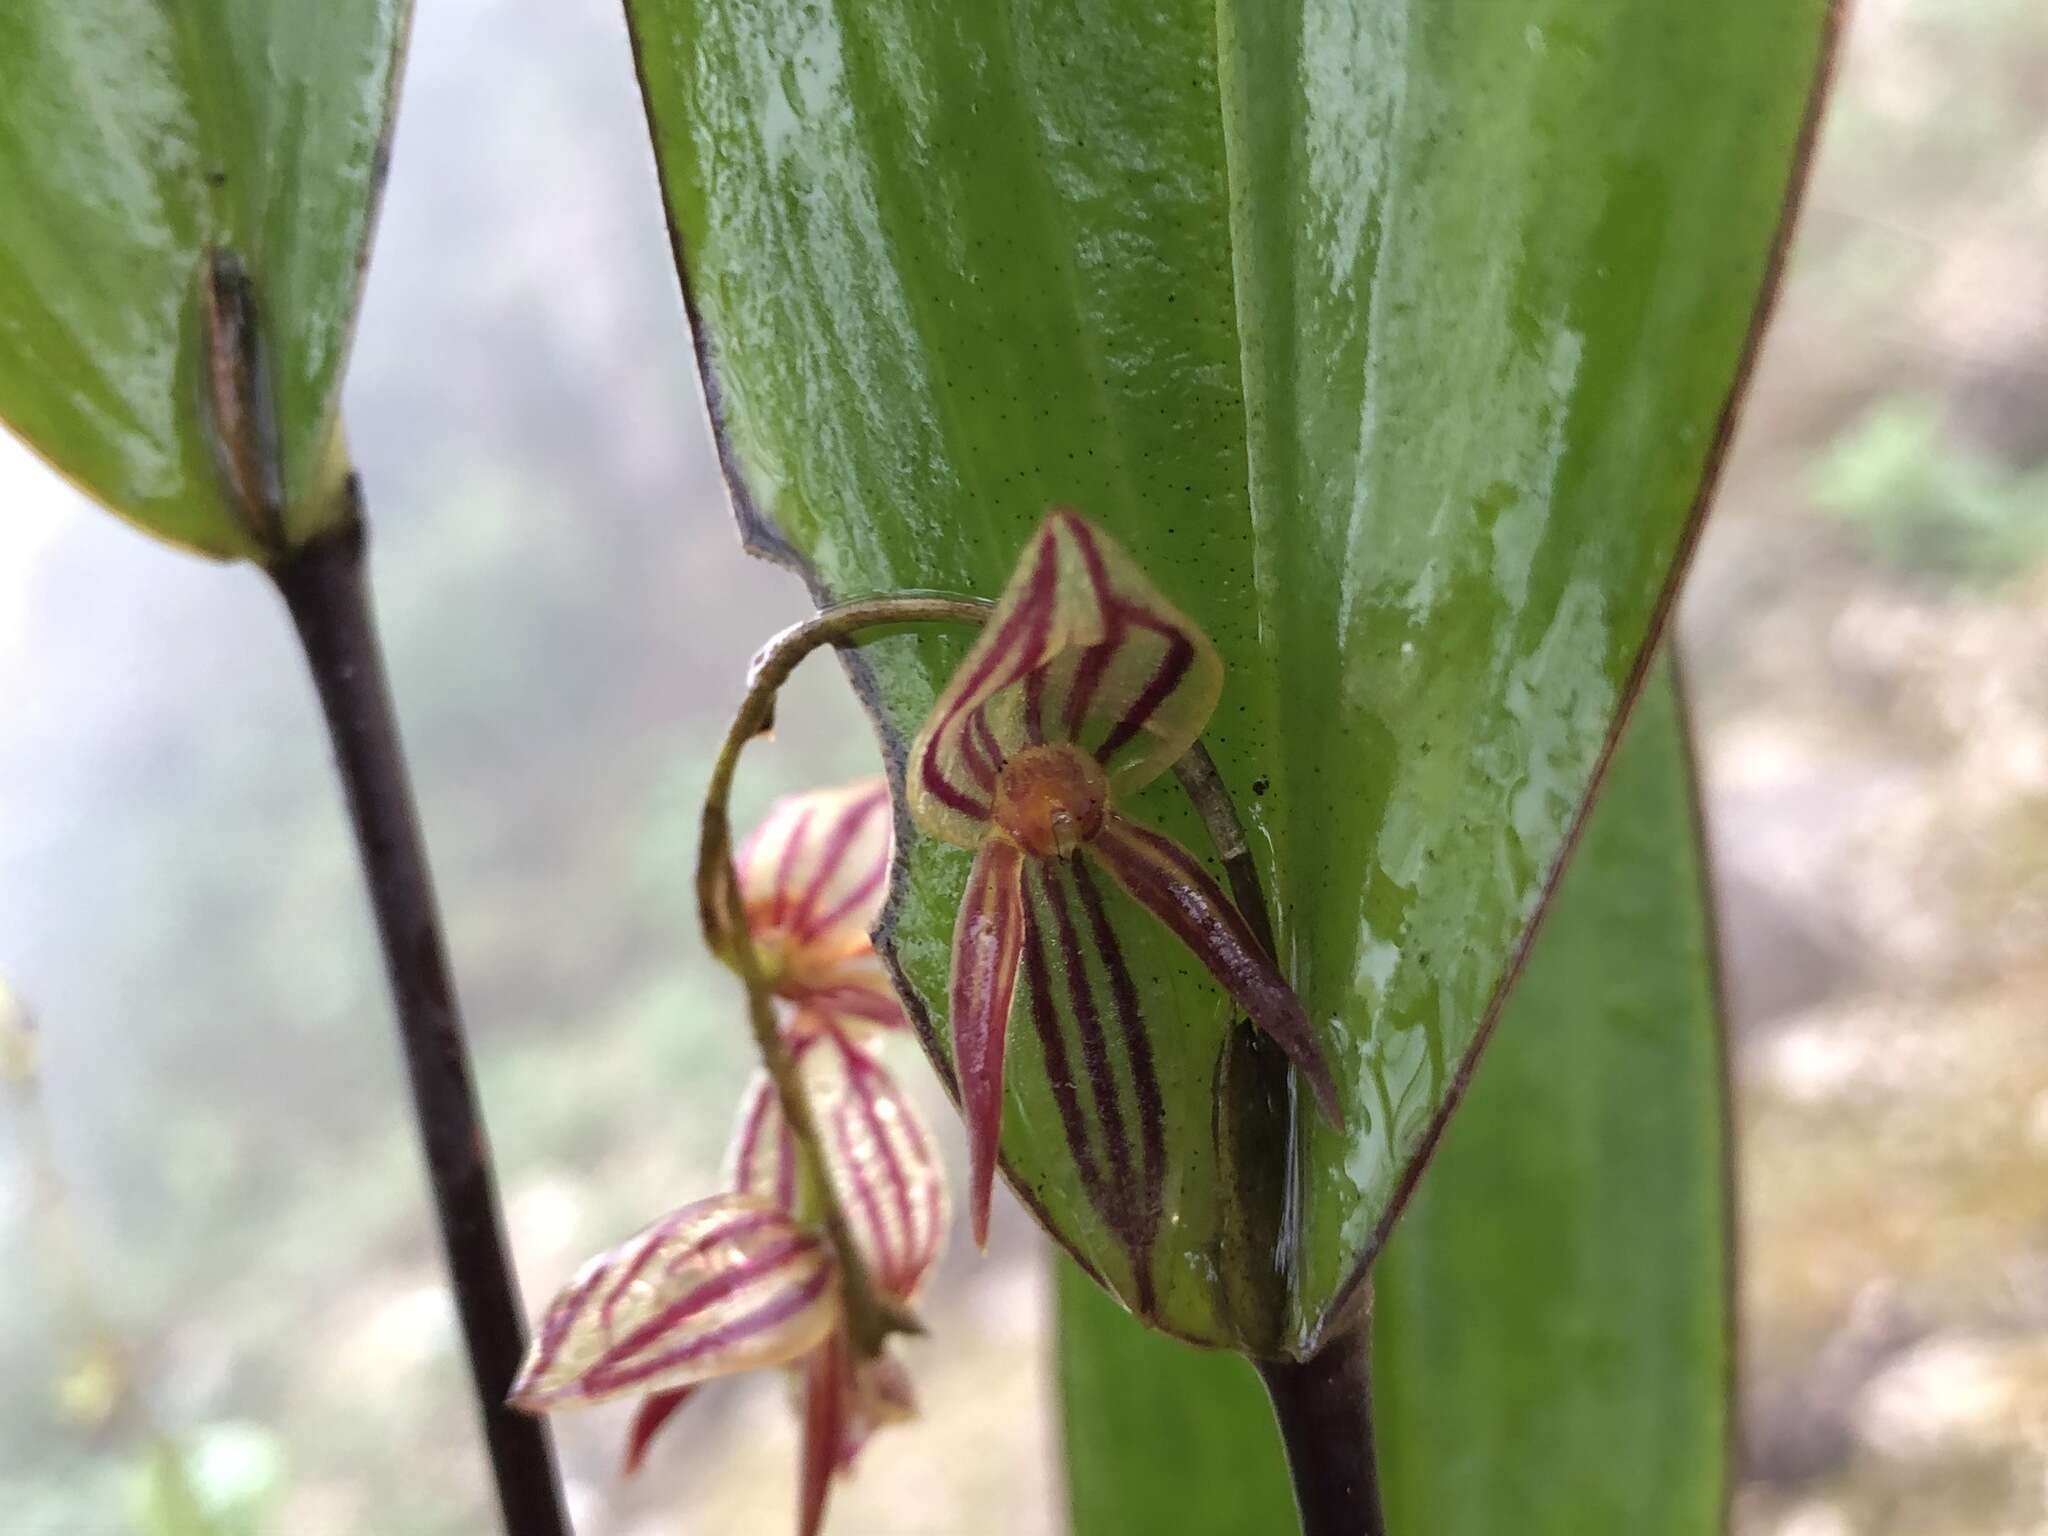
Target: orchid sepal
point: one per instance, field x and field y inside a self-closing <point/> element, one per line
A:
<point x="883" y="1162"/>
<point x="1081" y="650"/>
<point x="1084" y="684"/>
<point x="723" y="1285"/>
<point x="1170" y="883"/>
<point x="988" y="941"/>
<point x="811" y="880"/>
<point x="655" y="1410"/>
<point x="881" y="1156"/>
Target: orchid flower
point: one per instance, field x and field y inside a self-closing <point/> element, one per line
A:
<point x="1084" y="686"/>
<point x="740" y="1281"/>
<point x="812" y="877"/>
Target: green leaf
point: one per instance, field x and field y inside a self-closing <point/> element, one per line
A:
<point x="136" y="142"/>
<point x="1395" y="341"/>
<point x="1159" y="1436"/>
<point x="1553" y="1324"/>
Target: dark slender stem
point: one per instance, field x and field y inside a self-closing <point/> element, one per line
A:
<point x="1324" y="1405"/>
<point x="325" y="587"/>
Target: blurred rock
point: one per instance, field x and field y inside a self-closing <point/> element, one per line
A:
<point x="1776" y="959"/>
<point x="1816" y="1518"/>
<point x="1797" y="1424"/>
<point x="1816" y="1062"/>
<point x="2037" y="1124"/>
<point x="1954" y="1398"/>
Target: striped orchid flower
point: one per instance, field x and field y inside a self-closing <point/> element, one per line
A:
<point x="740" y="1281"/>
<point x="813" y="876"/>
<point x="1085" y="685"/>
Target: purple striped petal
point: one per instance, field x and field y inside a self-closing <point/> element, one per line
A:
<point x="988" y="938"/>
<point x="813" y="877"/>
<point x="1170" y="882"/>
<point x="854" y="991"/>
<point x="955" y="760"/>
<point x="762" y="1161"/>
<point x="1081" y="650"/>
<point x="721" y="1286"/>
<point x="882" y="1157"/>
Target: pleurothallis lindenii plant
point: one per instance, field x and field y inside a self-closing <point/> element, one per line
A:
<point x="1388" y="349"/>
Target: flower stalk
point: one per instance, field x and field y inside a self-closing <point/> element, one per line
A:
<point x="871" y="1315"/>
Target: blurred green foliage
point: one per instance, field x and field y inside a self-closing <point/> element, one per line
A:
<point x="1929" y="504"/>
<point x="222" y="1481"/>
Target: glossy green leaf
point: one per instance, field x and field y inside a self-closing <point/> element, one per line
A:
<point x="136" y="141"/>
<point x="1554" y="1324"/>
<point x="1395" y="340"/>
<point x="1553" y="1327"/>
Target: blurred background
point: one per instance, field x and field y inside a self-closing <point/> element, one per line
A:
<point x="218" y="1290"/>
